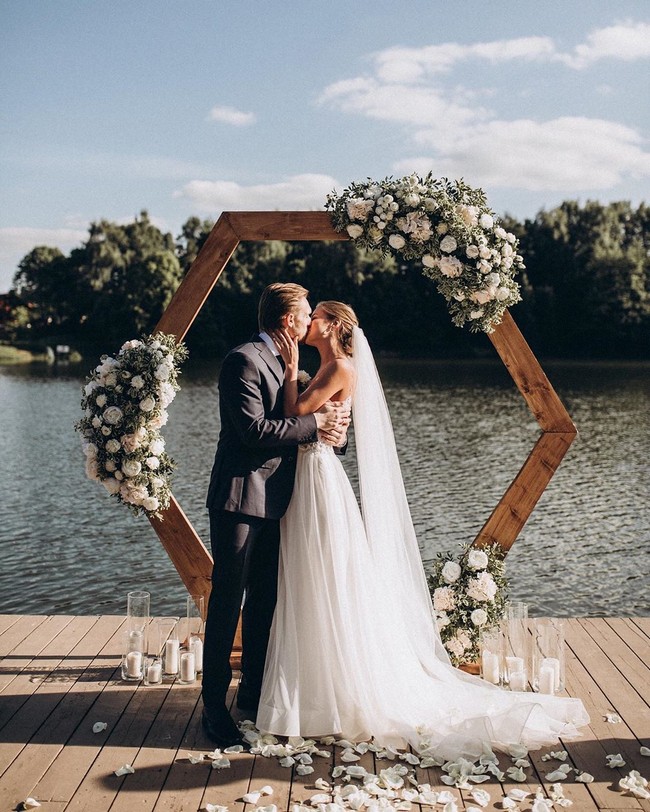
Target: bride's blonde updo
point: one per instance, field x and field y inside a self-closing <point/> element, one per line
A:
<point x="344" y="320"/>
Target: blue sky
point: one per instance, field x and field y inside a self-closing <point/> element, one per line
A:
<point x="200" y="106"/>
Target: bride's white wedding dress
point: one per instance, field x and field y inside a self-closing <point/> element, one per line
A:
<point x="354" y="650"/>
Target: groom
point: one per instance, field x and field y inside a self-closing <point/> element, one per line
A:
<point x="250" y="489"/>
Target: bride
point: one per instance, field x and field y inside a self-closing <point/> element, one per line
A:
<point x="354" y="649"/>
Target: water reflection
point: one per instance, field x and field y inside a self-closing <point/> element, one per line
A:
<point x="462" y="430"/>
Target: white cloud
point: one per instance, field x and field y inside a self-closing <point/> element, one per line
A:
<point x="15" y="242"/>
<point x="563" y="154"/>
<point x="107" y="164"/>
<point x="415" y="88"/>
<point x="626" y="41"/>
<point x="230" y="115"/>
<point x="301" y="192"/>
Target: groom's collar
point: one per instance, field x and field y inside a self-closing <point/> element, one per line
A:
<point x="266" y="338"/>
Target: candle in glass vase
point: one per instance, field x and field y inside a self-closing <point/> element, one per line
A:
<point x="196" y="647"/>
<point x="515" y="664"/>
<point x="154" y="672"/>
<point x="134" y="664"/>
<point x="517" y="680"/>
<point x="490" y="663"/>
<point x="171" y="656"/>
<point x="546" y="679"/>
<point x="554" y="664"/>
<point x="188" y="671"/>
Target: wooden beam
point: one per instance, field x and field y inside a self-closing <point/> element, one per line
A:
<point x="284" y="225"/>
<point x="516" y="505"/>
<point x="523" y="366"/>
<point x="200" y="279"/>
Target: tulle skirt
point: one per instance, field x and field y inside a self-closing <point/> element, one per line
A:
<point x="340" y="662"/>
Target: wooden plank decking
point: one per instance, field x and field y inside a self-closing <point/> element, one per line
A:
<point x="59" y="675"/>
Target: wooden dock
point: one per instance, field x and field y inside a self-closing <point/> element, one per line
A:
<point x="59" y="675"/>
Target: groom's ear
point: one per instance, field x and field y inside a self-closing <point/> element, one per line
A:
<point x="288" y="320"/>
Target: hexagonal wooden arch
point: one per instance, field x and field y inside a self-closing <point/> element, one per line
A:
<point x="176" y="533"/>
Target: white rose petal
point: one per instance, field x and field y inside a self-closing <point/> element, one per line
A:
<point x="517" y="794"/>
<point x="234" y="748"/>
<point x="221" y="763"/>
<point x="125" y="769"/>
<point x="481" y="797"/>
<point x="584" y="778"/>
<point x="556" y="775"/>
<point x="615" y="760"/>
<point x="215" y="808"/>
<point x="99" y="726"/>
<point x="542" y="805"/>
<point x="517" y="774"/>
<point x="304" y="769"/>
<point x="30" y="803"/>
<point x="612" y="718"/>
<point x="251" y="797"/>
<point x="645" y="751"/>
<point x="635" y="784"/>
<point x="287" y="761"/>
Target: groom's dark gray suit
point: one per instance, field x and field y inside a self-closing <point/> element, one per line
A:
<point x="250" y="489"/>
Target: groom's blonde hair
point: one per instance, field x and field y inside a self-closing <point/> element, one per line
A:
<point x="276" y="301"/>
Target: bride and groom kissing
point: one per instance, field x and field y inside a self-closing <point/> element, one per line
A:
<point x="338" y="634"/>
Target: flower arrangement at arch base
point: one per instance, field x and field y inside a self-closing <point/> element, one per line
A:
<point x="125" y="403"/>
<point x="449" y="227"/>
<point x="469" y="594"/>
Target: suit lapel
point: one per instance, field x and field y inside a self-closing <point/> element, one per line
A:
<point x="271" y="360"/>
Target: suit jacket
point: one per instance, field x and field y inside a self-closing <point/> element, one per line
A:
<point x="255" y="463"/>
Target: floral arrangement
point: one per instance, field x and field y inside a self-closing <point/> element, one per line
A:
<point x="469" y="594"/>
<point x="449" y="227"/>
<point x="125" y="403"/>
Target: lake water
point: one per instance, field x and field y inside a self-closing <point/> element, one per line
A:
<point x="462" y="431"/>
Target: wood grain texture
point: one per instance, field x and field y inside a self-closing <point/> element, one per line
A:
<point x="284" y="225"/>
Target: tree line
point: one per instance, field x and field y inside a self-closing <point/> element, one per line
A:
<point x="586" y="288"/>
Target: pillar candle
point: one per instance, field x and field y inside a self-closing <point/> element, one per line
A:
<point x="188" y="673"/>
<point x="514" y="664"/>
<point x="196" y="647"/>
<point x="546" y="680"/>
<point x="154" y="673"/>
<point x="554" y="664"/>
<point x="490" y="663"/>
<point x="171" y="656"/>
<point x="518" y="681"/>
<point x="134" y="663"/>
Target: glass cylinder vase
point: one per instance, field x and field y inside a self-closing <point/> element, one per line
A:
<point x="516" y="647"/>
<point x="548" y="656"/>
<point x="137" y="613"/>
<point x="193" y="632"/>
<point x="133" y="655"/>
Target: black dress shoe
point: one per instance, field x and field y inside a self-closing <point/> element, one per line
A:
<point x="223" y="732"/>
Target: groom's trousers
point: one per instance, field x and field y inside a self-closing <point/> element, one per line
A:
<point x="245" y="550"/>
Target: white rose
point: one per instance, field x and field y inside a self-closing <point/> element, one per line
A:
<point x="113" y="415"/>
<point x="486" y="221"/>
<point x="472" y="251"/>
<point x="162" y="372"/>
<point x="448" y="244"/>
<point x="152" y="462"/>
<point x="455" y="646"/>
<point x="396" y="241"/>
<point x="430" y="204"/>
<point x="157" y="482"/>
<point x="106" y="431"/>
<point x="147" y="404"/>
<point x="354" y="230"/>
<point x="137" y="382"/>
<point x="131" y="468"/>
<point x="119" y="475"/>
<point x="112" y="446"/>
<point x="468" y="214"/>
<point x="502" y="294"/>
<point x="412" y="199"/>
<point x="429" y="262"/>
<point x="100" y="400"/>
<point x="501" y="233"/>
<point x="158" y="421"/>
<point x="109" y="465"/>
<point x="110" y="379"/>
<point x="442" y="228"/>
<point x="151" y="503"/>
<point x="443" y="599"/>
<point x="475" y="314"/>
<point x="358" y="209"/>
<point x="167" y="394"/>
<point x="111" y="484"/>
<point x="479" y="617"/>
<point x="451" y="572"/>
<point x="96" y="422"/>
<point x="90" y="387"/>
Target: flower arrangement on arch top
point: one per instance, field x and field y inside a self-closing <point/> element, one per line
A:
<point x="125" y="402"/>
<point x="449" y="227"/>
<point x="469" y="593"/>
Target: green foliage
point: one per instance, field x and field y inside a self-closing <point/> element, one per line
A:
<point x="585" y="290"/>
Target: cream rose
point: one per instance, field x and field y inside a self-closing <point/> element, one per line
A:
<point x="113" y="446"/>
<point x="443" y="599"/>
<point x="429" y="262"/>
<point x="482" y="588"/>
<point x="451" y="572"/>
<point x="396" y="241"/>
<point x="479" y="617"/>
<point x="137" y="382"/>
<point x="151" y="503"/>
<point x="111" y="484"/>
<point x="131" y="468"/>
<point x="147" y="404"/>
<point x="448" y="244"/>
<point x="354" y="230"/>
<point x="152" y="462"/>
<point x="113" y="415"/>
<point x="486" y="221"/>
